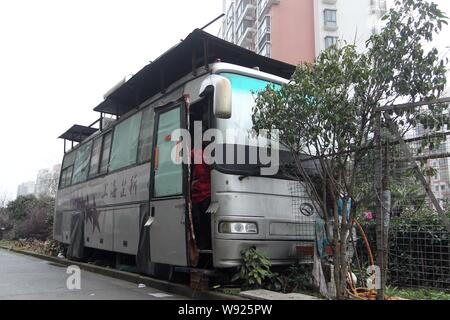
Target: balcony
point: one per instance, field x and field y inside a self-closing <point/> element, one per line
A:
<point x="246" y="9"/>
<point x="264" y="7"/>
<point x="246" y="34"/>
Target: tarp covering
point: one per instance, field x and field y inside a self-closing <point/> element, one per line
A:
<point x="143" y="263"/>
<point x="76" y="246"/>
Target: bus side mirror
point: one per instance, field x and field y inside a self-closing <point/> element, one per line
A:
<point x="221" y="88"/>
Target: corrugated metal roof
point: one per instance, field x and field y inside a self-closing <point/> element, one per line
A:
<point x="198" y="49"/>
<point x="77" y="133"/>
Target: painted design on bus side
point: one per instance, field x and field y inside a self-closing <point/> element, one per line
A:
<point x="91" y="213"/>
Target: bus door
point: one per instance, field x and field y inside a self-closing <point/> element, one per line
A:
<point x="168" y="234"/>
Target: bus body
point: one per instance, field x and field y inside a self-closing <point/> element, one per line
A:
<point x="120" y="191"/>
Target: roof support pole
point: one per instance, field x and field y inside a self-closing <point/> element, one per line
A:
<point x="205" y="54"/>
<point x="194" y="63"/>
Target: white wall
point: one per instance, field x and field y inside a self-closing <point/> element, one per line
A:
<point x="355" y="21"/>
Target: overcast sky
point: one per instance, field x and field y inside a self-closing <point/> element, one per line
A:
<point x="58" y="58"/>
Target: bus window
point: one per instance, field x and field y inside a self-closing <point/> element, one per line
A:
<point x="67" y="177"/>
<point x="168" y="175"/>
<point x="66" y="170"/>
<point x="82" y="163"/>
<point x="146" y="135"/>
<point x="105" y="152"/>
<point x="125" y="143"/>
<point x="69" y="159"/>
<point x="95" y="158"/>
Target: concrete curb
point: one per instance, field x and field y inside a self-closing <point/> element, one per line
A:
<point x="162" y="285"/>
<point x="262" y="294"/>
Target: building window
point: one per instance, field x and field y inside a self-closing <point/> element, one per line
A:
<point x="330" y="18"/>
<point x="330" y="41"/>
<point x="265" y="50"/>
<point x="262" y="5"/>
<point x="229" y="35"/>
<point x="230" y="14"/>
<point x="264" y="30"/>
<point x="380" y="5"/>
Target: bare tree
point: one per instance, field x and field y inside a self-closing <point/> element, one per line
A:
<point x="4" y="199"/>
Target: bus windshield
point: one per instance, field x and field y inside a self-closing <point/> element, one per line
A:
<point x="245" y="90"/>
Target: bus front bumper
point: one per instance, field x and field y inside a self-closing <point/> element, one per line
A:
<point x="227" y="252"/>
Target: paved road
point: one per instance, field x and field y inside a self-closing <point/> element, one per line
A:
<point x="28" y="278"/>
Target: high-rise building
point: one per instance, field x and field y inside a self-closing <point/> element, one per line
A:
<point x="440" y="182"/>
<point x="43" y="180"/>
<point x="296" y="31"/>
<point x="26" y="188"/>
<point x="47" y="181"/>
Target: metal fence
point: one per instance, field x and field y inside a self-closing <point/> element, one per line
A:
<point x="419" y="256"/>
<point x="402" y="198"/>
<point x="415" y="171"/>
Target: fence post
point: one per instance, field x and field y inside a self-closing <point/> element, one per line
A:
<point x="379" y="217"/>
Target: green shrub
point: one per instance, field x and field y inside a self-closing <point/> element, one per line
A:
<point x="255" y="271"/>
<point x="297" y="277"/>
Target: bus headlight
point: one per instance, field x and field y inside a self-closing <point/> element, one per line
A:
<point x="238" y="227"/>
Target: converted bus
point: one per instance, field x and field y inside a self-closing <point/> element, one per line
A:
<point x="120" y="191"/>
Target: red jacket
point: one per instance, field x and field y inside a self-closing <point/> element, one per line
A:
<point x="201" y="181"/>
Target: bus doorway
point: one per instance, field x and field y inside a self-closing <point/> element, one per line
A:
<point x="168" y="235"/>
<point x="200" y="181"/>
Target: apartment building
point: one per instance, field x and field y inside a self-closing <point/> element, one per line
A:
<point x="297" y="31"/>
<point x="440" y="162"/>
<point x="26" y="188"/>
<point x="45" y="184"/>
